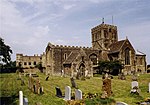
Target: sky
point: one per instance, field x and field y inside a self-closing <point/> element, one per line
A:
<point x="28" y="25"/>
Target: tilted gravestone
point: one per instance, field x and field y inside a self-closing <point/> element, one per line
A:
<point x="58" y="92"/>
<point x="73" y="82"/>
<point x="47" y="78"/>
<point x="67" y="93"/>
<point x="78" y="94"/>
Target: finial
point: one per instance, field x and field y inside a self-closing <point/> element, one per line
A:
<point x="126" y="37"/>
<point x="102" y="20"/>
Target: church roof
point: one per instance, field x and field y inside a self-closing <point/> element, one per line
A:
<point x="139" y="53"/>
<point x="115" y="47"/>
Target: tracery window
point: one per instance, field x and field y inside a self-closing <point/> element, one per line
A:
<point x="127" y="56"/>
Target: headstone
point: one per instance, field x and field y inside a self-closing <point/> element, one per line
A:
<point x="107" y="86"/>
<point x="135" y="88"/>
<point x="134" y="84"/>
<point x="121" y="103"/>
<point x="67" y="93"/>
<point x="73" y="82"/>
<point x="134" y="78"/>
<point x="25" y="101"/>
<point x="47" y="78"/>
<point x="20" y="98"/>
<point x="22" y="82"/>
<point x="58" y="92"/>
<point x="78" y="94"/>
<point x="149" y="87"/>
<point x="37" y="86"/>
<point x="86" y="73"/>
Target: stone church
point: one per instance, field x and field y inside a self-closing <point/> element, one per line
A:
<point x="69" y="60"/>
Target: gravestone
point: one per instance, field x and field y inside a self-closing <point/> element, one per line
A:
<point x="134" y="84"/>
<point x="107" y="87"/>
<point x="121" y="103"/>
<point x="20" y="98"/>
<point x="67" y="93"/>
<point x="86" y="73"/>
<point x="78" y="94"/>
<point x="47" y="78"/>
<point x="37" y="86"/>
<point x="58" y="92"/>
<point x="73" y="82"/>
<point x="134" y="78"/>
<point x="135" y="87"/>
<point x="22" y="82"/>
<point x="25" y="101"/>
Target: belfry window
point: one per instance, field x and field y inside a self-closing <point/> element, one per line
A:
<point x="127" y="56"/>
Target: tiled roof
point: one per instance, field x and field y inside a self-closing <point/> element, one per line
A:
<point x="115" y="47"/>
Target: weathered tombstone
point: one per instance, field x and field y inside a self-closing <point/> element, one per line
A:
<point x="25" y="101"/>
<point x="41" y="90"/>
<point x="22" y="82"/>
<point x="37" y="86"/>
<point x="20" y="98"/>
<point x="78" y="94"/>
<point x="73" y="82"/>
<point x="134" y="78"/>
<point x="121" y="103"/>
<point x="134" y="84"/>
<point x="86" y="73"/>
<point x="47" y="78"/>
<point x="34" y="89"/>
<point x="67" y="93"/>
<point x="58" y="92"/>
<point x="107" y="86"/>
<point x="135" y="87"/>
<point x="30" y="82"/>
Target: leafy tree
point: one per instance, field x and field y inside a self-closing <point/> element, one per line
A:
<point x="5" y="52"/>
<point x="111" y="67"/>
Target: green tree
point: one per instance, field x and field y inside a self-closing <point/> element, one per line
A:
<point x="111" y="67"/>
<point x="5" y="52"/>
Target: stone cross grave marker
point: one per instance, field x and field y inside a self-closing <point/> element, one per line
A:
<point x="134" y="84"/>
<point x="20" y="98"/>
<point x="78" y="94"/>
<point x="58" y="92"/>
<point x="67" y="93"/>
<point x="25" y="101"/>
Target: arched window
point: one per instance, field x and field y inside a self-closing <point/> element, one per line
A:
<point x="65" y="56"/>
<point x="127" y="56"/>
<point x="93" y="58"/>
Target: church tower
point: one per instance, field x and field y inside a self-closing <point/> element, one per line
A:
<point x="104" y="35"/>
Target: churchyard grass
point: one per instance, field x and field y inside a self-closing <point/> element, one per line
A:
<point x="10" y="86"/>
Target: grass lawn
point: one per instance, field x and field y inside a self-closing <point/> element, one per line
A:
<point x="10" y="86"/>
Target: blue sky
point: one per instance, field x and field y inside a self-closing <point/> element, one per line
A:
<point x="28" y="25"/>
